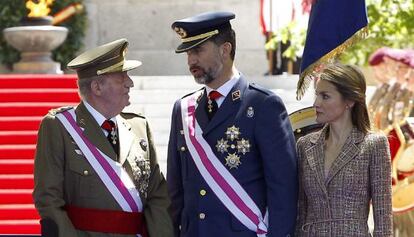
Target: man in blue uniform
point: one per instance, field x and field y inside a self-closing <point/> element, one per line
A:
<point x="231" y="154"/>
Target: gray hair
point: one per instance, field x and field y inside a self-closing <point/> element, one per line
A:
<point x="84" y="85"/>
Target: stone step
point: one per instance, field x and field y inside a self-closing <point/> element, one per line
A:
<point x="151" y="110"/>
<point x="164" y="82"/>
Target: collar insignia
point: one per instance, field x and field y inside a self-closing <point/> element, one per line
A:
<point x="235" y="95"/>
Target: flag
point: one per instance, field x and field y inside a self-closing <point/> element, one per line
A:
<point x="333" y="26"/>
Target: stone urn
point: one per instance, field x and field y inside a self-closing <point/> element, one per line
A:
<point x="35" y="44"/>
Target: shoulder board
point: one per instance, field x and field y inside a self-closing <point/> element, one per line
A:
<point x="192" y="92"/>
<point x="130" y="115"/>
<point x="59" y="110"/>
<point x="260" y="88"/>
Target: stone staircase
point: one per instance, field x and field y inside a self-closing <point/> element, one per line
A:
<point x="155" y="96"/>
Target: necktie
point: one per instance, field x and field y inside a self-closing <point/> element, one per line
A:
<point x="212" y="106"/>
<point x="112" y="137"/>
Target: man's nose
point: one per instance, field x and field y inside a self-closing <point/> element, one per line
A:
<point x="129" y="82"/>
<point x="191" y="59"/>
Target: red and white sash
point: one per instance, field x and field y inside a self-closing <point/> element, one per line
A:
<point x="218" y="178"/>
<point x="115" y="178"/>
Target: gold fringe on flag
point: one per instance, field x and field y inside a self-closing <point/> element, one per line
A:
<point x="310" y="73"/>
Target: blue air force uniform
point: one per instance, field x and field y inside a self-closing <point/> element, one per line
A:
<point x="267" y="168"/>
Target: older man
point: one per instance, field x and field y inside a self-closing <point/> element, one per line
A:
<point x="96" y="172"/>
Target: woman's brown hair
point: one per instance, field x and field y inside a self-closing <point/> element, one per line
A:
<point x="350" y="83"/>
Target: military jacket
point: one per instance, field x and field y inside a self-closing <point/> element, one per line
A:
<point x="251" y="135"/>
<point x="63" y="176"/>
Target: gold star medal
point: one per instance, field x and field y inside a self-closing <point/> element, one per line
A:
<point x="243" y="146"/>
<point x="233" y="133"/>
<point x="222" y="145"/>
<point x="233" y="161"/>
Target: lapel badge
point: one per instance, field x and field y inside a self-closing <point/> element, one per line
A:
<point x="235" y="95"/>
<point x="233" y="161"/>
<point x="222" y="145"/>
<point x="143" y="143"/>
<point x="233" y="133"/>
<point x="250" y="112"/>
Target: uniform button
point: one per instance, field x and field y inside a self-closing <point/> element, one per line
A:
<point x="182" y="148"/>
<point x="203" y="192"/>
<point x="85" y="172"/>
<point x="202" y="216"/>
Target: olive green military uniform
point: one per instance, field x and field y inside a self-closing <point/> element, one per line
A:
<point x="63" y="176"/>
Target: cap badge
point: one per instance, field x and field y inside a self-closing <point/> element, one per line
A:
<point x="181" y="32"/>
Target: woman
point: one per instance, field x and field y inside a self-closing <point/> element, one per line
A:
<point x="343" y="167"/>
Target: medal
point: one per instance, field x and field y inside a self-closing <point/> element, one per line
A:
<point x="233" y="133"/>
<point x="113" y="136"/>
<point x="243" y="146"/>
<point x="222" y="145"/>
<point x="210" y="105"/>
<point x="233" y="161"/>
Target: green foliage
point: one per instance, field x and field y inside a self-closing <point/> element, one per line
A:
<point x="391" y="24"/>
<point x="294" y="35"/>
<point x="11" y="13"/>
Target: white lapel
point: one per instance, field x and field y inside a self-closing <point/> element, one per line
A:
<point x="126" y="138"/>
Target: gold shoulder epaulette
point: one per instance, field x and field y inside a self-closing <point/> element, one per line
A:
<point x="59" y="110"/>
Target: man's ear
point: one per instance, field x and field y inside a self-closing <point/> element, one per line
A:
<point x="96" y="88"/>
<point x="226" y="49"/>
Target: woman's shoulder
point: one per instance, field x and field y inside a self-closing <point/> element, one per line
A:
<point x="374" y="136"/>
<point x="309" y="138"/>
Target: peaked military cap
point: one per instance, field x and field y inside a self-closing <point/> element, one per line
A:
<point x="197" y="29"/>
<point x="103" y="59"/>
<point x="303" y="121"/>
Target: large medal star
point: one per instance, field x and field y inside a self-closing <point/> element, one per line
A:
<point x="233" y="133"/>
<point x="233" y="161"/>
<point x="243" y="146"/>
<point x="222" y="145"/>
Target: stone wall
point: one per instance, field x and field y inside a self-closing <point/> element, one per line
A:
<point x="146" y="24"/>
